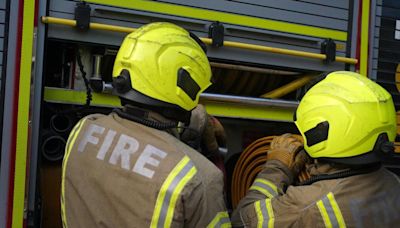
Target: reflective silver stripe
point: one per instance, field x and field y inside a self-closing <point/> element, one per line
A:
<point x="223" y="221"/>
<point x="171" y="188"/>
<point x="330" y="212"/>
<point x="220" y="220"/>
<point x="266" y="187"/>
<point x="265" y="214"/>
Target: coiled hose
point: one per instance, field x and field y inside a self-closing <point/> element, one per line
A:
<point x="247" y="167"/>
<point x="249" y="164"/>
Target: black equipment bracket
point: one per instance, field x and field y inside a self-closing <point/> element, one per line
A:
<point x="328" y="47"/>
<point x="82" y="16"/>
<point x="216" y="33"/>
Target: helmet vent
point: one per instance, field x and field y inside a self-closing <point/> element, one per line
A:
<point x="317" y="134"/>
<point x="187" y="84"/>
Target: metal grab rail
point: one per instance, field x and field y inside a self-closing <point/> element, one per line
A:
<point x="114" y="28"/>
<point x="290" y="87"/>
<point x="216" y="104"/>
<point x="248" y="101"/>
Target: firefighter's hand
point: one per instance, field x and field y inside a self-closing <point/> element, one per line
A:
<point x="288" y="149"/>
<point x="204" y="133"/>
<point x="299" y="165"/>
<point x="192" y="134"/>
<point x="213" y="137"/>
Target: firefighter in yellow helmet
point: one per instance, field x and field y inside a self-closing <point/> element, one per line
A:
<point x="128" y="168"/>
<point x="348" y="125"/>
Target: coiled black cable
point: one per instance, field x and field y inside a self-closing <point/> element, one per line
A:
<point x="146" y="122"/>
<point x="193" y="142"/>
<point x="88" y="89"/>
<point x="85" y="80"/>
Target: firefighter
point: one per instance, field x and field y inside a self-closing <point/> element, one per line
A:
<point x="128" y="168"/>
<point x="348" y="125"/>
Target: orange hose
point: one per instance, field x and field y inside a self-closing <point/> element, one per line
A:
<point x="244" y="172"/>
<point x="249" y="164"/>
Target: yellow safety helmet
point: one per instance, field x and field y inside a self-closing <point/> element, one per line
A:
<point x="347" y="118"/>
<point x="162" y="65"/>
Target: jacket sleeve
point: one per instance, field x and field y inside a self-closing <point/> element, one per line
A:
<point x="269" y="185"/>
<point x="204" y="205"/>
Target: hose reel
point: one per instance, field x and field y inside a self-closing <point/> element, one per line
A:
<point x="249" y="164"/>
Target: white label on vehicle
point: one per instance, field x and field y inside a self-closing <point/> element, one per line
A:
<point x="397" y="35"/>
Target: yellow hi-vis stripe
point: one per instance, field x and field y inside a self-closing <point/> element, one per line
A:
<point x="365" y="15"/>
<point x="265" y="187"/>
<point x="170" y="191"/>
<point x="71" y="140"/>
<point x="324" y="214"/>
<point x="220" y="220"/>
<point x="24" y="93"/>
<point x="72" y="136"/>
<point x="270" y="213"/>
<point x="330" y="212"/>
<point x="265" y="214"/>
<point x="336" y="210"/>
<point x="260" y="217"/>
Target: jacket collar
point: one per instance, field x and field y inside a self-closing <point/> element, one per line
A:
<point x="318" y="168"/>
<point x="144" y="114"/>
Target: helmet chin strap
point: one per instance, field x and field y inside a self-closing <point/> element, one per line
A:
<point x="382" y="149"/>
<point x="129" y="96"/>
<point x="383" y="145"/>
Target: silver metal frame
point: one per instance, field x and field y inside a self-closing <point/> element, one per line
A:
<point x="36" y="111"/>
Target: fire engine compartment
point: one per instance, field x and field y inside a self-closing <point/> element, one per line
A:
<point x="231" y="78"/>
<point x="62" y="72"/>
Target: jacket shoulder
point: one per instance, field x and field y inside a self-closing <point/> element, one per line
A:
<point x="96" y="117"/>
<point x="306" y="196"/>
<point x="204" y="166"/>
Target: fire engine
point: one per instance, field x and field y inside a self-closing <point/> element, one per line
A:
<point x="56" y="58"/>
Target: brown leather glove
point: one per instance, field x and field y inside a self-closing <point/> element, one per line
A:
<point x="214" y="136"/>
<point x="301" y="160"/>
<point x="303" y="175"/>
<point x="287" y="148"/>
<point x="192" y="134"/>
<point x="205" y="133"/>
